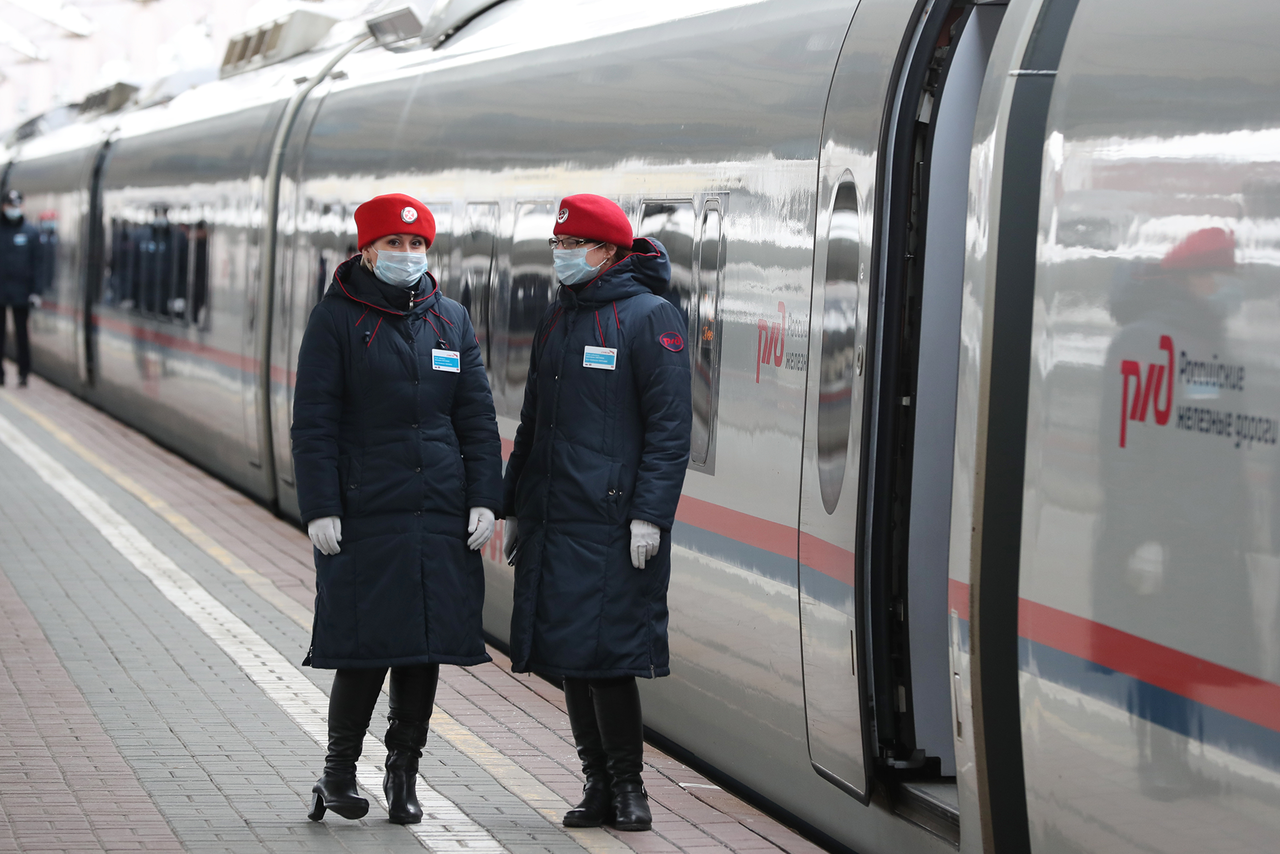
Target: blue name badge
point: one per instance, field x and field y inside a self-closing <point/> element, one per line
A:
<point x="446" y="360"/>
<point x="602" y="358"/>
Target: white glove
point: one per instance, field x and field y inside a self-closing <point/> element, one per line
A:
<point x="480" y="527"/>
<point x="325" y="534"/>
<point x="510" y="539"/>
<point x="645" y="537"/>
<point x="35" y="300"/>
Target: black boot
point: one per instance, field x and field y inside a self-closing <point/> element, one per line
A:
<point x="405" y="740"/>
<point x="350" y="707"/>
<point x="617" y="704"/>
<point x="596" y="807"/>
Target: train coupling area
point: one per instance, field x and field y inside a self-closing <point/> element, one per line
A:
<point x="151" y="624"/>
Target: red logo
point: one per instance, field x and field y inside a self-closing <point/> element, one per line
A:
<point x="672" y="341"/>
<point x="1138" y="396"/>
<point x="771" y="343"/>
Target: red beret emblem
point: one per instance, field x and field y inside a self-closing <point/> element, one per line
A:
<point x="673" y="341"/>
<point x="408" y="214"/>
<point x="563" y="215"/>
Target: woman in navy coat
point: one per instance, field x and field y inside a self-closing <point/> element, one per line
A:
<point x="398" y="466"/>
<point x="591" y="492"/>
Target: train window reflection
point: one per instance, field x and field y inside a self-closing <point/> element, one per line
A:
<point x="532" y="284"/>
<point x="157" y="267"/>
<point x="693" y="244"/>
<point x="839" y="345"/>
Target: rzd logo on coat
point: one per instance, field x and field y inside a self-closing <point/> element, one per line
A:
<point x="1138" y="397"/>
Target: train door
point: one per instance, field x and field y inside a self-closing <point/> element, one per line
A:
<point x="833" y="647"/>
<point x="880" y="414"/>
<point x="302" y="271"/>
<point x="91" y="281"/>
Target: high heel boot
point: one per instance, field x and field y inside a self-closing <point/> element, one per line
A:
<point x="596" y="807"/>
<point x="405" y="740"/>
<point x="350" y="707"/>
<point x="617" y="704"/>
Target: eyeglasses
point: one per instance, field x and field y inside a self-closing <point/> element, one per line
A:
<point x="569" y="242"/>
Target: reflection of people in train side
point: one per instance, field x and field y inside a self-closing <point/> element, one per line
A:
<point x="20" y="276"/>
<point x="398" y="465"/>
<point x="594" y="480"/>
<point x="1169" y="561"/>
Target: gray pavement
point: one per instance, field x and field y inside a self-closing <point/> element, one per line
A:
<point x="126" y="724"/>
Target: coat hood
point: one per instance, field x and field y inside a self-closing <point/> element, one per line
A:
<point x="647" y="271"/>
<point x="355" y="282"/>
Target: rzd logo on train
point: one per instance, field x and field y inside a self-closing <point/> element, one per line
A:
<point x="1138" y="397"/>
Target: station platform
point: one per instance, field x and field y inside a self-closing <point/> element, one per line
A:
<point x="151" y="621"/>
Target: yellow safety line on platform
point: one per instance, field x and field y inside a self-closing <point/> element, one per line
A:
<point x="509" y="775"/>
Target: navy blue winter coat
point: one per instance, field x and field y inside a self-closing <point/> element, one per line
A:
<point x="400" y="452"/>
<point x="595" y="449"/>
<point x="20" y="261"/>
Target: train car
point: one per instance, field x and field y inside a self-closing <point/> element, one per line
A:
<point x="975" y="545"/>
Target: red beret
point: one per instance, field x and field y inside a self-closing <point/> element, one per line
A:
<point x="595" y="218"/>
<point x="394" y="213"/>
<point x="1206" y="249"/>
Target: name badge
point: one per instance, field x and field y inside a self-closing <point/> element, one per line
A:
<point x="446" y="360"/>
<point x="603" y="358"/>
<point x="19" y="239"/>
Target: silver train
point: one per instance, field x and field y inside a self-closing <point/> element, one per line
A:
<point x="978" y="546"/>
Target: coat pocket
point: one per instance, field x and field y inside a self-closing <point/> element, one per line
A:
<point x="349" y="481"/>
<point x="614" y="502"/>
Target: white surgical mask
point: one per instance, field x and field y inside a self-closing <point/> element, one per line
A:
<point x="12" y="213"/>
<point x="402" y="269"/>
<point x="572" y="267"/>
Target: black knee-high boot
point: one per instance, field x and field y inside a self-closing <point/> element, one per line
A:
<point x="617" y="703"/>
<point x="596" y="807"/>
<point x="350" y="706"/>
<point x="413" y="694"/>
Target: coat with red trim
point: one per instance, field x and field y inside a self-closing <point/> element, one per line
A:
<point x="595" y="449"/>
<point x="399" y="449"/>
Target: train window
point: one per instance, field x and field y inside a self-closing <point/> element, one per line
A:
<point x="694" y="246"/>
<point x="199" y="274"/>
<point x="839" y="345"/>
<point x="532" y="285"/>
<point x="705" y="340"/>
<point x="475" y="282"/>
<point x="157" y="266"/>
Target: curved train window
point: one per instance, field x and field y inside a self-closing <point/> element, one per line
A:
<point x="839" y="345"/>
<point x="157" y="264"/>
<point x="532" y="286"/>
<point x="438" y="254"/>
<point x="693" y="241"/>
<point x="475" y="280"/>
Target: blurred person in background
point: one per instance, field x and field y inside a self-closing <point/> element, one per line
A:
<point x="20" y="277"/>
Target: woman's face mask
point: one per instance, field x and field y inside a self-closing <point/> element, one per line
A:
<point x="572" y="267"/>
<point x="12" y="212"/>
<point x="402" y="269"/>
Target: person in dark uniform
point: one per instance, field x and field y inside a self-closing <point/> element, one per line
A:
<point x="20" y="276"/>
<point x="591" y="491"/>
<point x="398" y="466"/>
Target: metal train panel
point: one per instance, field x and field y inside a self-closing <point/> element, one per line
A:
<point x="1150" y="577"/>
<point x="972" y="416"/>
